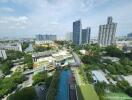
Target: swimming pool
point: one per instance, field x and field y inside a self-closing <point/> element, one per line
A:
<point x="63" y="86"/>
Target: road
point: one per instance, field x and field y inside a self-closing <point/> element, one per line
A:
<point x="79" y="62"/>
<point x="28" y="82"/>
<point x="77" y="59"/>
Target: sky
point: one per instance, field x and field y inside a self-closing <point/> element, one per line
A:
<point x="26" y="18"/>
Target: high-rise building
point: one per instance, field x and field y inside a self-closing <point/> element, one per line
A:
<point x="129" y="35"/>
<point x="77" y="32"/>
<point x="3" y="54"/>
<point x="107" y="33"/>
<point x="86" y="35"/>
<point x="69" y="36"/>
<point x="45" y="37"/>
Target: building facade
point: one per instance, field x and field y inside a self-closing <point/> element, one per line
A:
<point x="3" y="54"/>
<point x="107" y="33"/>
<point x="46" y="37"/>
<point x="129" y="35"/>
<point x="77" y="32"/>
<point x="86" y="35"/>
<point x="11" y="46"/>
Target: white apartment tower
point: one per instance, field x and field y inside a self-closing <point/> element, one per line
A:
<point x="107" y="33"/>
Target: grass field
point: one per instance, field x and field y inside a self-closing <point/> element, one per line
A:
<point x="117" y="96"/>
<point x="86" y="92"/>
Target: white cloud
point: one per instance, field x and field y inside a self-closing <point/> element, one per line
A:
<point x="56" y="16"/>
<point x="6" y="10"/>
<point x="9" y="24"/>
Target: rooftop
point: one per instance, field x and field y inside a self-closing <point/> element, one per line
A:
<point x="100" y="76"/>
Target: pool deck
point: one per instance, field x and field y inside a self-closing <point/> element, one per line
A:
<point x="72" y="88"/>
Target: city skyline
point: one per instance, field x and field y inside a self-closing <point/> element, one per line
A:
<point x="22" y="18"/>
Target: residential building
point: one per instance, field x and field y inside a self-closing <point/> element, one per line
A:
<point x="129" y="35"/>
<point x="99" y="76"/>
<point x="45" y="37"/>
<point x="125" y="45"/>
<point x="107" y="33"/>
<point x="11" y="46"/>
<point x="77" y="32"/>
<point x="3" y="54"/>
<point x="43" y="42"/>
<point x="86" y="35"/>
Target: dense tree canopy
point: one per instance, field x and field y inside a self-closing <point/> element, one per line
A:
<point x="113" y="51"/>
<point x="40" y="77"/>
<point x="13" y="55"/>
<point x="25" y="94"/>
<point x="129" y="91"/>
<point x="42" y="48"/>
<point x="28" y="60"/>
<point x="6" y="66"/>
<point x="123" y="85"/>
<point x="25" y="45"/>
<point x="7" y="85"/>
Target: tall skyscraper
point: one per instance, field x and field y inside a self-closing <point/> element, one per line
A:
<point x="107" y="33"/>
<point x="86" y="35"/>
<point x="77" y="32"/>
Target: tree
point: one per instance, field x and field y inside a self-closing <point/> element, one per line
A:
<point x="17" y="77"/>
<point x="129" y="91"/>
<point x="42" y="48"/>
<point x="25" y="94"/>
<point x="89" y="76"/>
<point x="28" y="61"/>
<point x="113" y="51"/>
<point x="13" y="55"/>
<point x="40" y="77"/>
<point x="6" y="66"/>
<point x="124" y="61"/>
<point x="25" y="45"/>
<point x="123" y="85"/>
<point x="9" y="84"/>
<point x="111" y="69"/>
<point x="129" y="55"/>
<point x="100" y="87"/>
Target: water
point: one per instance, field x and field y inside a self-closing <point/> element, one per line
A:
<point x="63" y="86"/>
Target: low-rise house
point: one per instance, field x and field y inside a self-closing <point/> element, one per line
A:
<point x="113" y="59"/>
<point x="99" y="76"/>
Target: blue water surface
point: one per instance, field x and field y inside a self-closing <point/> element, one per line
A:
<point x="63" y="86"/>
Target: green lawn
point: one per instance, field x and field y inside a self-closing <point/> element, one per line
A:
<point x="117" y="96"/>
<point x="86" y="92"/>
